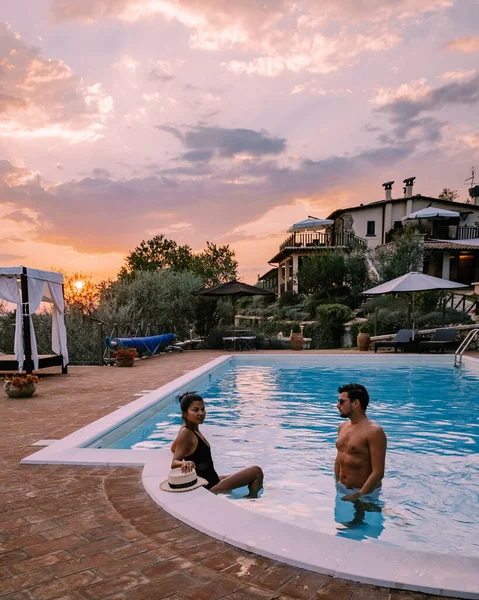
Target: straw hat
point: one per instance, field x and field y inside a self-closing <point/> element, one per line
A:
<point x="182" y="482"/>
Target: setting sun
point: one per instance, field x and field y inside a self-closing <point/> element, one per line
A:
<point x="79" y="284"/>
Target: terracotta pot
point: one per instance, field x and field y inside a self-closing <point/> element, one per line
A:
<point x="125" y="362"/>
<point x="297" y="341"/>
<point x="14" y="392"/>
<point x="364" y="341"/>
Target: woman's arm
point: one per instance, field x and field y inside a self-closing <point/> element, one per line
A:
<point x="182" y="447"/>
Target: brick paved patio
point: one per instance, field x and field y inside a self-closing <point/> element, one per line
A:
<point x="92" y="533"/>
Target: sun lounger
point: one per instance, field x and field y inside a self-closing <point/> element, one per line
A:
<point x="402" y="340"/>
<point x="442" y="338"/>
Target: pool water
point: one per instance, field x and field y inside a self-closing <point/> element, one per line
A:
<point x="284" y="418"/>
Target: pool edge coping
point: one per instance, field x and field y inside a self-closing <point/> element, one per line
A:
<point x="398" y="568"/>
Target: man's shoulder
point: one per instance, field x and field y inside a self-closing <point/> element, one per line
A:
<point x="375" y="429"/>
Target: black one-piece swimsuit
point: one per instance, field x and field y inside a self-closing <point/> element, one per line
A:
<point x="204" y="462"/>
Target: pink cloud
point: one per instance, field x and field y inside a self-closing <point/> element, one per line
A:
<point x="284" y="36"/>
<point x="42" y="97"/>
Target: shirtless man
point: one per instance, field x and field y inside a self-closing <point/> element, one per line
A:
<point x="361" y="444"/>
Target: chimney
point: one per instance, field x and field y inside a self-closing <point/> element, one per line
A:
<point x="387" y="188"/>
<point x="409" y="182"/>
<point x="474" y="194"/>
<point x="404" y="191"/>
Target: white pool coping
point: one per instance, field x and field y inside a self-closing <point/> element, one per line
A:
<point x="365" y="562"/>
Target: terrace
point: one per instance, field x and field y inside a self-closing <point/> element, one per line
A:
<point x="440" y="231"/>
<point x="93" y="533"/>
<point x="321" y="239"/>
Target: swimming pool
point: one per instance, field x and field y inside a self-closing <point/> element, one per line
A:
<point x="364" y="546"/>
<point x="283" y="416"/>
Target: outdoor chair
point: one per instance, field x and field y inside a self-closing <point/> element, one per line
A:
<point x="248" y="342"/>
<point x="402" y="340"/>
<point x="442" y="338"/>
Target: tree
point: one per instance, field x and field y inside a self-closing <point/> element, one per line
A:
<point x="405" y="254"/>
<point x="215" y="264"/>
<point x="81" y="292"/>
<point x="357" y="276"/>
<point x="156" y="254"/>
<point x="163" y="299"/>
<point x="321" y="272"/>
<point x="449" y="195"/>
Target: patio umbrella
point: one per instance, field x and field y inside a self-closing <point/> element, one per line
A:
<point x="413" y="282"/>
<point x="310" y="224"/>
<point x="431" y="212"/>
<point x="235" y="289"/>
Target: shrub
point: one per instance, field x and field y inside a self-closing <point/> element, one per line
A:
<point x="353" y="332"/>
<point x="295" y="328"/>
<point x="365" y="327"/>
<point x="435" y="319"/>
<point x="214" y="340"/>
<point x="312" y="303"/>
<point x="389" y="321"/>
<point x="332" y="318"/>
<point x="244" y="302"/>
<point x="289" y="298"/>
<point x="314" y="331"/>
<point x="294" y="313"/>
<point x="273" y="327"/>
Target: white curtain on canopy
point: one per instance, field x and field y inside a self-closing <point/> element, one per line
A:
<point x="37" y="292"/>
<point x="9" y="291"/>
<point x="59" y="332"/>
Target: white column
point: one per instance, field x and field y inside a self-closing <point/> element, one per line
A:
<point x="295" y="273"/>
<point x="446" y="264"/>
<point x="280" y="278"/>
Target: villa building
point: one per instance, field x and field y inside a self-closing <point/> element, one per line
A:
<point x="451" y="243"/>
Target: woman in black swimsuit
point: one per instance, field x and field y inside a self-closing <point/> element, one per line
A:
<point x="192" y="451"/>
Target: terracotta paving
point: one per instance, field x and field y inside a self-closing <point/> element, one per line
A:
<point x="92" y="533"/>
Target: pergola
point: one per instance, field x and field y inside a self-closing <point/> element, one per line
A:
<point x="27" y="289"/>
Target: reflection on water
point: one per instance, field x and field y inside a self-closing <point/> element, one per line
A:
<point x="359" y="520"/>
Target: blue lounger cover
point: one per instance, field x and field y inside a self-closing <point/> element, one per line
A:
<point x="151" y="344"/>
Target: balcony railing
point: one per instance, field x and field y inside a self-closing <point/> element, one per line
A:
<point x="442" y="232"/>
<point x="321" y="240"/>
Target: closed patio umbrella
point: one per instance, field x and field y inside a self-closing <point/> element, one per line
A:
<point x="413" y="282"/>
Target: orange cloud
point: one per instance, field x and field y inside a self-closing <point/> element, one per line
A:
<point x="466" y="44"/>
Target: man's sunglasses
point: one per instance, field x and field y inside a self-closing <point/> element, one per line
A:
<point x="341" y="401"/>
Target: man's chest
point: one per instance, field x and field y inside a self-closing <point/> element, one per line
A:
<point x="352" y="442"/>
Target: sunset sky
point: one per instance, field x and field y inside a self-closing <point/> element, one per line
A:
<point x="222" y="120"/>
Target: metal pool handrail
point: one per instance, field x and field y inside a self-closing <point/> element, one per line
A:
<point x="463" y="346"/>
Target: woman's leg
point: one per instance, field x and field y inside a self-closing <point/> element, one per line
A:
<point x="252" y="477"/>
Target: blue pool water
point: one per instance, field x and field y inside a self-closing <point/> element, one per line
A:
<point x="283" y="417"/>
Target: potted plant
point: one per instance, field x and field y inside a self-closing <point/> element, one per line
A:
<point x="20" y="386"/>
<point x="297" y="340"/>
<point x="125" y="357"/>
<point x="364" y="336"/>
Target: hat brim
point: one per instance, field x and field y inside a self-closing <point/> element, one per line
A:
<point x="165" y="486"/>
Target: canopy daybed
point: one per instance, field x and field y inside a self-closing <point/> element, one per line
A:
<point x="27" y="288"/>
